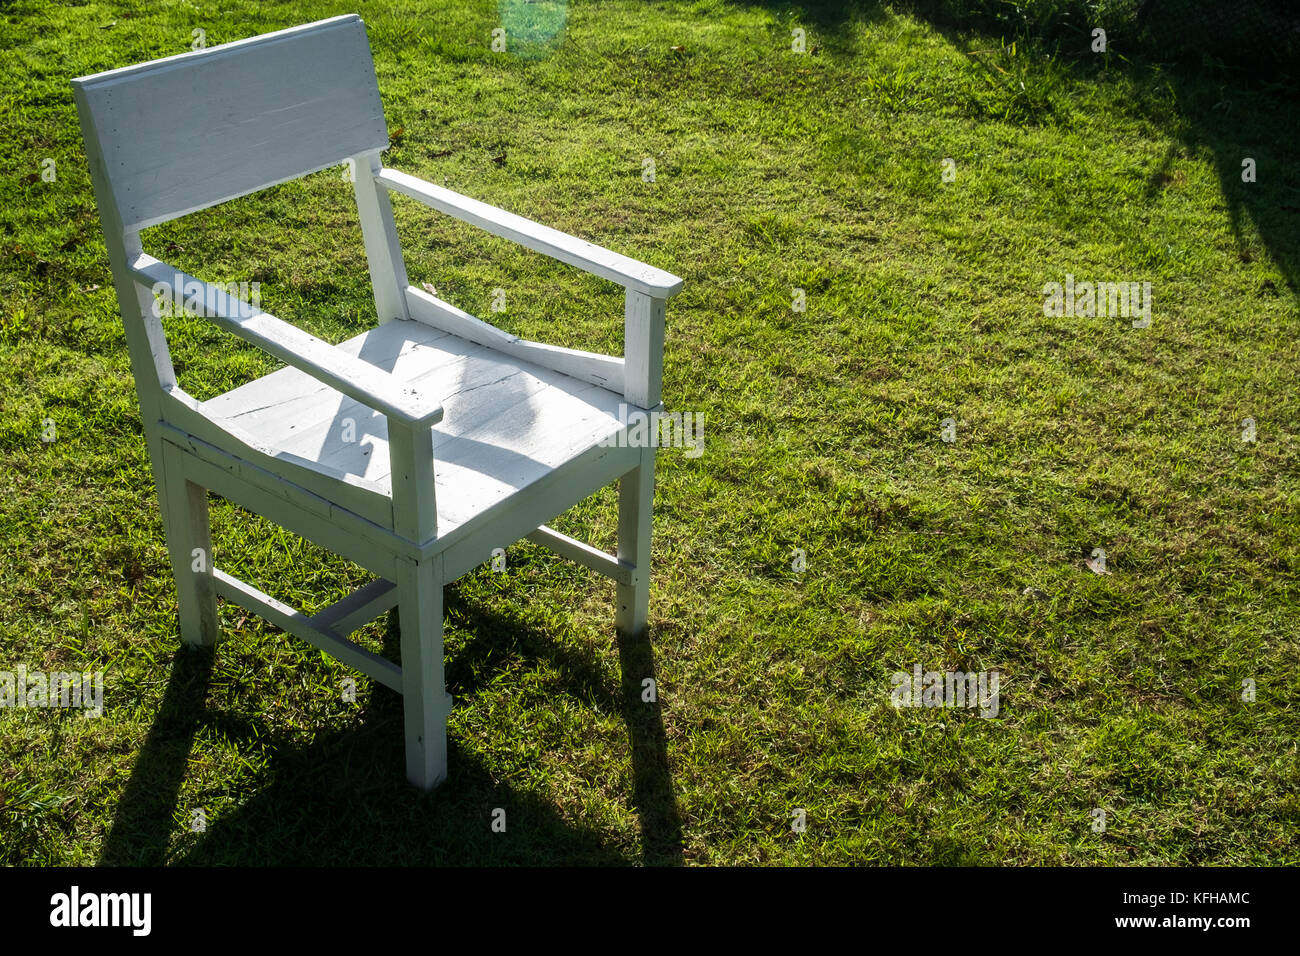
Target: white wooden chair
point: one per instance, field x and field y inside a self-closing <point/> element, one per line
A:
<point x="466" y="439"/>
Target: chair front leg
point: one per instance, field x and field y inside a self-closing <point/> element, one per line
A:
<point x="643" y="350"/>
<point x="189" y="545"/>
<point x="415" y="517"/>
<point x="425" y="701"/>
<point x="635" y="504"/>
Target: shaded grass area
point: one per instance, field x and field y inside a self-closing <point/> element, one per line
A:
<point x="774" y="171"/>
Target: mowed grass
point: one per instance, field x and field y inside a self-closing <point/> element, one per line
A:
<point x="773" y="171"/>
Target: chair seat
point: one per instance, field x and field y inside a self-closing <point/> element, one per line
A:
<point x="506" y="423"/>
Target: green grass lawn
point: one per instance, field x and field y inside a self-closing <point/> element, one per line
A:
<point x="774" y="171"/>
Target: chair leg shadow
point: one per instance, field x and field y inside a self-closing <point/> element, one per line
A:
<point x="661" y="825"/>
<point x="451" y="826"/>
<point x="144" y="819"/>
<point x="652" y="798"/>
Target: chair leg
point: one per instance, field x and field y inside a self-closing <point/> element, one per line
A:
<point x="635" y="503"/>
<point x="425" y="703"/>
<point x="189" y="545"/>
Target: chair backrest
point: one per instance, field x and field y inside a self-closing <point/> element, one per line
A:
<point x="176" y="135"/>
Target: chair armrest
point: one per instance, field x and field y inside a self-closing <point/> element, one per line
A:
<point x="628" y="273"/>
<point x="358" y="379"/>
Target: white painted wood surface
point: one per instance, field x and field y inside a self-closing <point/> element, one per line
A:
<point x="558" y="245"/>
<point x="379" y="233"/>
<point x="643" y="336"/>
<point x="190" y="131"/>
<point x="582" y="553"/>
<point x="413" y="449"/>
<point x="603" y="370"/>
<point x="314" y="517"/>
<point x="635" y="509"/>
<point x="506" y="423"/>
<point x="361" y="380"/>
<point x="357" y="609"/>
<point x="295" y="622"/>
